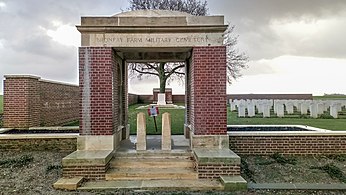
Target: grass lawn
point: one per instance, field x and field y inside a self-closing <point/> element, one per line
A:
<point x="177" y="116"/>
<point x="331" y="124"/>
<point x="1" y="104"/>
<point x="330" y="97"/>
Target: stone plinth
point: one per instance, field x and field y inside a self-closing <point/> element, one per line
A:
<point x="68" y="183"/>
<point x="88" y="164"/>
<point x="141" y="132"/>
<point x="209" y="141"/>
<point x="166" y="131"/>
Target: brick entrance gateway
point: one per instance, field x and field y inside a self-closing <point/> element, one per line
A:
<point x="108" y="44"/>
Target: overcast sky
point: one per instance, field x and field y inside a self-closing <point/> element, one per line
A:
<point x="295" y="46"/>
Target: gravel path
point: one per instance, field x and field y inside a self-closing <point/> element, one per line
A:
<point x="35" y="172"/>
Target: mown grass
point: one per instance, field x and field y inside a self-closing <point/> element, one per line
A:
<point x="1" y="104"/>
<point x="177" y="119"/>
<point x="329" y="97"/>
<point x="331" y="124"/>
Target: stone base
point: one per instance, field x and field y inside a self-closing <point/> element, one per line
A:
<point x="213" y="163"/>
<point x="187" y="131"/>
<point x="88" y="164"/>
<point x="209" y="141"/>
<point x="233" y="183"/>
<point x="68" y="183"/>
<point x="100" y="142"/>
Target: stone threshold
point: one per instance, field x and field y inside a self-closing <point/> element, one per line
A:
<point x="296" y="186"/>
<point x="155" y="185"/>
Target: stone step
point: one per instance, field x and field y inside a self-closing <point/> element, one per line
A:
<point x="164" y="185"/>
<point x="154" y="154"/>
<point x="150" y="173"/>
<point x="121" y="162"/>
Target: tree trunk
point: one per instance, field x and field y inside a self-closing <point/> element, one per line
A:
<point x="162" y="77"/>
<point x="162" y="85"/>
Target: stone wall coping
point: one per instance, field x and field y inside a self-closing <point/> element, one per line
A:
<point x="88" y="158"/>
<point x="39" y="136"/>
<point x="55" y="128"/>
<point x="286" y="133"/>
<point x="58" y="82"/>
<point x="299" y="126"/>
<point x="17" y="76"/>
<point x="212" y="156"/>
<point x="38" y="78"/>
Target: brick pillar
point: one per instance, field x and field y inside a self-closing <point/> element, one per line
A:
<point x="208" y="109"/>
<point x="21" y="101"/>
<point x="96" y="66"/>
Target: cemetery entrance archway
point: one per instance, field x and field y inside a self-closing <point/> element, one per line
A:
<point x="108" y="43"/>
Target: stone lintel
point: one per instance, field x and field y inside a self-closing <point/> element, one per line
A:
<point x="87" y="158"/>
<point x="214" y="156"/>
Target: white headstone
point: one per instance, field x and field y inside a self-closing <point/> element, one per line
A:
<point x="280" y="110"/>
<point x="250" y="109"/>
<point x="334" y="109"/>
<point x="241" y="110"/>
<point x="320" y="108"/>
<point x="304" y="108"/>
<point x="266" y="110"/>
<point x="313" y="110"/>
<point x="289" y="107"/>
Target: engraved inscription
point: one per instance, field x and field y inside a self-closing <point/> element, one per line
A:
<point x="156" y="40"/>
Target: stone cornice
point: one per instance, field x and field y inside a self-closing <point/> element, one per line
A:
<point x="152" y="29"/>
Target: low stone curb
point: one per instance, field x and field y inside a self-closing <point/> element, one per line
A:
<point x="295" y="186"/>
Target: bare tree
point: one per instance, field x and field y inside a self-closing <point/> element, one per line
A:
<point x="194" y="7"/>
<point x="168" y="71"/>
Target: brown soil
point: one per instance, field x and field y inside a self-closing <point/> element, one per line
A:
<point x="37" y="171"/>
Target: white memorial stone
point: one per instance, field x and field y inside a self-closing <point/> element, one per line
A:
<point x="289" y="107"/>
<point x="161" y="99"/>
<point x="334" y="111"/>
<point x="313" y="110"/>
<point x="166" y="143"/>
<point x="320" y="108"/>
<point x="304" y="108"/>
<point x="266" y="110"/>
<point x="250" y="109"/>
<point x="141" y="132"/>
<point x="280" y="110"/>
<point x="241" y="110"/>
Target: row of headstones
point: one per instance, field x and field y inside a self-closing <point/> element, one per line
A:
<point x="166" y="143"/>
<point x="316" y="107"/>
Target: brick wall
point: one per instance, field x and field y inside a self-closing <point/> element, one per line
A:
<point x="59" y="103"/>
<point x="30" y="101"/>
<point x="92" y="172"/>
<point x="213" y="171"/>
<point x="96" y="71"/>
<point x="288" y="144"/>
<point x="208" y="110"/>
<point x="38" y="144"/>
